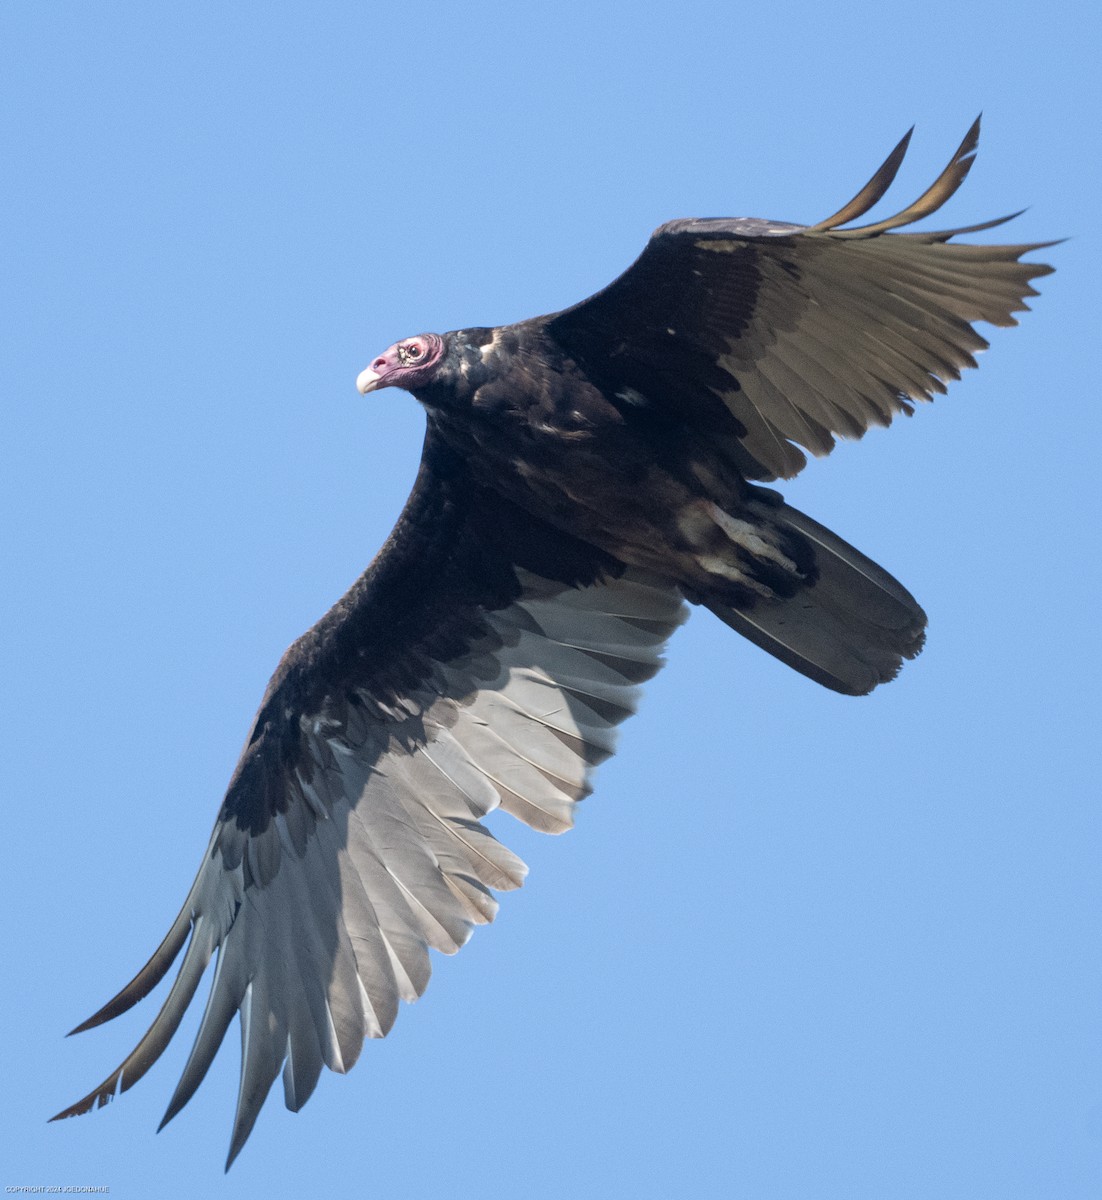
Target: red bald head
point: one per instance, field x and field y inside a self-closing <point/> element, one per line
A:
<point x="407" y="364"/>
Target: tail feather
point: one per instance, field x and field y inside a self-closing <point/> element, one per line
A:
<point x="849" y="630"/>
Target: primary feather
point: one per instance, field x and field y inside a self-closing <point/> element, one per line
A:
<point x="584" y="474"/>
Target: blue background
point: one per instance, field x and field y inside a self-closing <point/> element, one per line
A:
<point x="800" y="945"/>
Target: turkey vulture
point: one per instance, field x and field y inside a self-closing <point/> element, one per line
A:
<point x="584" y="474"/>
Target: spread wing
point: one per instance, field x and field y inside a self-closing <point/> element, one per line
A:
<point x="483" y="660"/>
<point x="770" y="337"/>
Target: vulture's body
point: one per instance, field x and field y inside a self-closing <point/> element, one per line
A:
<point x="584" y="475"/>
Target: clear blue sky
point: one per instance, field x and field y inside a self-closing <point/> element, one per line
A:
<point x="799" y="946"/>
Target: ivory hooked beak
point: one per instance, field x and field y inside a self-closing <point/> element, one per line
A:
<point x="367" y="381"/>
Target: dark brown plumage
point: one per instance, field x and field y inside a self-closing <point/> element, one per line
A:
<point x="583" y="475"/>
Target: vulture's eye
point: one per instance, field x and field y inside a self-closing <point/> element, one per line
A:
<point x="413" y="352"/>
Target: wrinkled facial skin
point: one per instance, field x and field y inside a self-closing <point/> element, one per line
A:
<point x="407" y="364"/>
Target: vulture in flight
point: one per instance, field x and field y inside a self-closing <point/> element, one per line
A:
<point x="584" y="475"/>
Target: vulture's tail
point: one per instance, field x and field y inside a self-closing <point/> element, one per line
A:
<point x="849" y="630"/>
